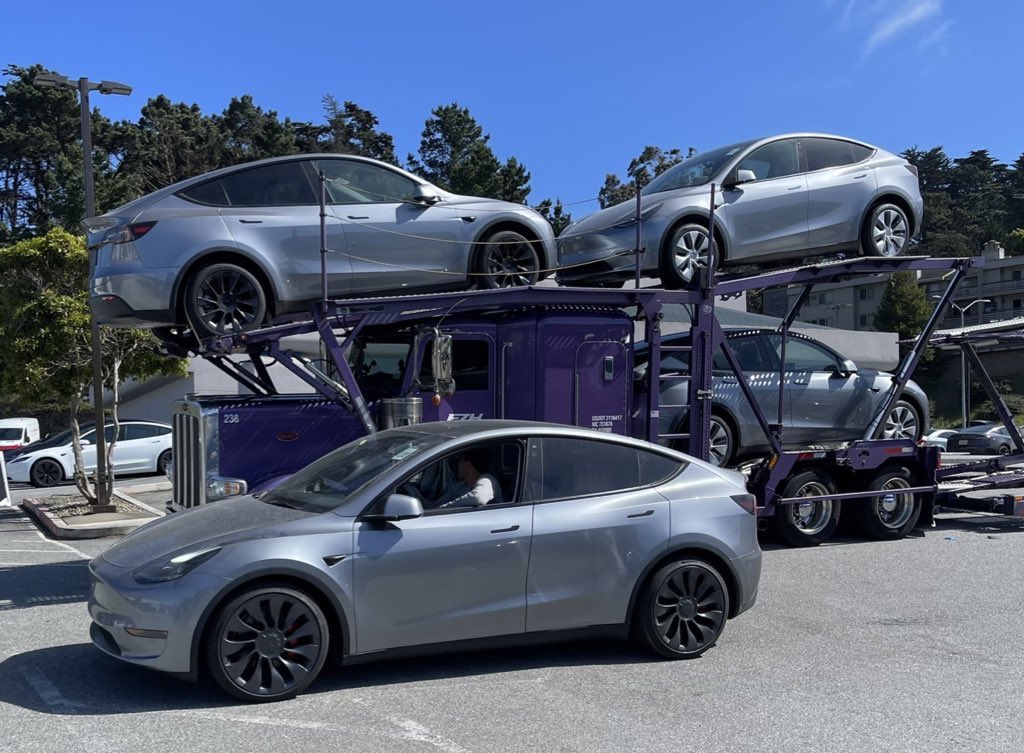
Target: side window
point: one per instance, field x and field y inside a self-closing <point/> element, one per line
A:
<point x="276" y="185"/>
<point x="825" y="153"/>
<point x="773" y="160"/>
<point x="748" y="353"/>
<point x="143" y="431"/>
<point x="470" y="364"/>
<point x="567" y="468"/>
<point x="481" y="475"/>
<point x="355" y="182"/>
<point x="656" y="468"/>
<point x="804" y="356"/>
<point x="211" y="192"/>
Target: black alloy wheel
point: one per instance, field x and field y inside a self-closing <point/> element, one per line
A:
<point x="224" y="299"/>
<point x="46" y="472"/>
<point x="683" y="609"/>
<point x="508" y="260"/>
<point x="268" y="644"/>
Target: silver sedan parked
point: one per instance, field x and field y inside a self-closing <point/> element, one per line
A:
<point x="827" y="399"/>
<point x="221" y="252"/>
<point x="362" y="555"/>
<point x="782" y="197"/>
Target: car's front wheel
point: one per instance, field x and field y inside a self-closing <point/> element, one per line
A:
<point x="682" y="610"/>
<point x="46" y="472"/>
<point x="224" y="299"/>
<point x="904" y="422"/>
<point x="508" y="260"/>
<point x="886" y="231"/>
<point x="268" y="644"/>
<point x="685" y="256"/>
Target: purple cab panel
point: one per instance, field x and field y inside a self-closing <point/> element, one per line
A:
<point x="261" y="439"/>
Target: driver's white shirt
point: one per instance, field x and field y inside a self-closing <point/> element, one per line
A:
<point x="485" y="490"/>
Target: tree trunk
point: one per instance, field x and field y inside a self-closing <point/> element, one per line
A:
<point x="82" y="481"/>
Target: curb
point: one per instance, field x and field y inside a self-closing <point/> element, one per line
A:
<point x="58" y="529"/>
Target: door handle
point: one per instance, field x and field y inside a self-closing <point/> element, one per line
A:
<point x="641" y="514"/>
<point x="794" y="188"/>
<point x="858" y="177"/>
<point x="251" y="222"/>
<point x="359" y="216"/>
<point x="505" y="530"/>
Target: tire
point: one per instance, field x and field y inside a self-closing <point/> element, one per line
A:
<point x="1004" y="449"/>
<point x="224" y="299"/>
<point x="886" y="231"/>
<point x="890" y="517"/>
<point x="507" y="260"/>
<point x="256" y="660"/>
<point x="684" y="256"/>
<point x="806" y="524"/>
<point x="162" y="462"/>
<point x="682" y="609"/>
<point x="904" y="422"/>
<point x="723" y="442"/>
<point x="45" y="472"/>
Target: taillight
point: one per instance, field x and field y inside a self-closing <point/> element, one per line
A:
<point x="747" y="501"/>
<point x="127" y="233"/>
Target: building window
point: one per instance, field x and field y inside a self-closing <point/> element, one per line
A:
<point x="867" y="320"/>
<point x="866" y="294"/>
<point x="1016" y="275"/>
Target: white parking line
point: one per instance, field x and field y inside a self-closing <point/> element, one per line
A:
<point x="48" y="692"/>
<point x="62" y="545"/>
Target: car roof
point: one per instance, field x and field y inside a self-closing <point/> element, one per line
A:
<point x="497" y="428"/>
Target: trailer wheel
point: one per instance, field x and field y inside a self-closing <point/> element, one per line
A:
<point x="508" y="260"/>
<point x="685" y="255"/>
<point x="891" y="516"/>
<point x="682" y="610"/>
<point x="810" y="523"/>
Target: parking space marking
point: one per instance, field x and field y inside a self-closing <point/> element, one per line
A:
<point x="48" y="692"/>
<point x="414" y="731"/>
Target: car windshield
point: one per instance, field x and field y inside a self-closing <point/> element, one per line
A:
<point x="11" y="433"/>
<point x="696" y="170"/>
<point x="56" y="440"/>
<point x="332" y="479"/>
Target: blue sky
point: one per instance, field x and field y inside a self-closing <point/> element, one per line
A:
<point x="574" y="90"/>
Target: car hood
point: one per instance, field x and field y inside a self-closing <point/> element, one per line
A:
<point x="610" y="216"/>
<point x="214" y="524"/>
<point x="476" y="202"/>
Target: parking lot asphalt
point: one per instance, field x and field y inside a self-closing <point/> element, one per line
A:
<point x="854" y="646"/>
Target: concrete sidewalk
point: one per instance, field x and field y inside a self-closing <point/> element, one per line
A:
<point x="132" y="512"/>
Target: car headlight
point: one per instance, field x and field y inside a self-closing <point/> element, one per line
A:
<point x="173" y="568"/>
<point x="630" y="219"/>
<point x="218" y="487"/>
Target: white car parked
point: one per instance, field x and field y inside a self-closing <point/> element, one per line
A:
<point x="142" y="447"/>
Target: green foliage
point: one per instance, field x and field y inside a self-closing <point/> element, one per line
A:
<point x="353" y="130"/>
<point x="555" y="214"/>
<point x="1014" y="242"/>
<point x="904" y="308"/>
<point x="651" y="162"/>
<point x="454" y="154"/>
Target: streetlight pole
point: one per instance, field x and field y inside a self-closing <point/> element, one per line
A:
<point x="84" y="86"/>
<point x="965" y="372"/>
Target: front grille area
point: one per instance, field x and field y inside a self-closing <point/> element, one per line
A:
<point x="189" y="456"/>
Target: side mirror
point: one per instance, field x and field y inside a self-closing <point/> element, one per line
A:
<point x="425" y="195"/>
<point x="401" y="507"/>
<point x="848" y="366"/>
<point x="444" y="383"/>
<point x="85" y="442"/>
<point x="740" y="177"/>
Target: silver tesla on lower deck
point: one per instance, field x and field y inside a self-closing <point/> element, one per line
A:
<point x="444" y="535"/>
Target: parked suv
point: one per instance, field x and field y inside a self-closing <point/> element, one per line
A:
<point x="220" y="252"/>
<point x="827" y="398"/>
<point x="781" y="197"/>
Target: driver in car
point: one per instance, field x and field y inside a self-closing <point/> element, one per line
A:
<point x="476" y="488"/>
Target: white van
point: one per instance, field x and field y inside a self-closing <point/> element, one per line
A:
<point x="15" y="433"/>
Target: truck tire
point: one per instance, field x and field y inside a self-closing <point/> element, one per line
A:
<point x="806" y="524"/>
<point x="892" y="516"/>
<point x="224" y="299"/>
<point x="682" y="609"/>
<point x="258" y="659"/>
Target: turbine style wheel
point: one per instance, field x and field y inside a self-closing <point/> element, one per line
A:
<point x="683" y="609"/>
<point x="892" y="515"/>
<point x="46" y="472"/>
<point x="508" y="260"/>
<point x="886" y="232"/>
<point x="268" y="644"/>
<point x="903" y="422"/>
<point x="224" y="299"/>
<point x="806" y="523"/>
<point x="685" y="256"/>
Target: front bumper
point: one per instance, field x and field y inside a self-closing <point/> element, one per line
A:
<point x="18" y="473"/>
<point x="117" y="602"/>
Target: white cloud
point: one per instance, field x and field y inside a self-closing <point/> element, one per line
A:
<point x="936" y="37"/>
<point x="907" y="16"/>
<point x="844" y="20"/>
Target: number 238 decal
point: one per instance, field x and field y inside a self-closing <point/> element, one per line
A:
<point x="231" y="418"/>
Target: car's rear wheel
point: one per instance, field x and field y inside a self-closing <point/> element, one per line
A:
<point x="224" y="299"/>
<point x="682" y="610"/>
<point x="685" y="256"/>
<point x="1004" y="449"/>
<point x="886" y="231"/>
<point x="163" y="462"/>
<point x="806" y="523"/>
<point x="904" y="422"/>
<point x="892" y="515"/>
<point x="508" y="260"/>
<point x="268" y="644"/>
<point x="46" y="472"/>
